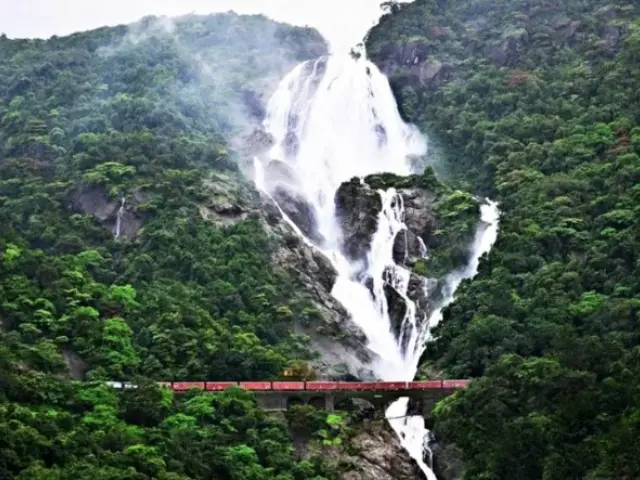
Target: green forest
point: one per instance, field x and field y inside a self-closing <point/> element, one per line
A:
<point x="537" y="105"/>
<point x="115" y="264"/>
<point x="140" y="116"/>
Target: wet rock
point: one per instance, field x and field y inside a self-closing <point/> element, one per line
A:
<point x="76" y="365"/>
<point x="362" y="409"/>
<point x="397" y="309"/>
<point x="435" y="73"/>
<point x="255" y="143"/>
<point x="93" y="200"/>
<point x="357" y="209"/>
<point x="291" y="144"/>
<point x="282" y="183"/>
<point x="280" y="173"/>
<point x="611" y="36"/>
<point x="255" y="105"/>
<point x="332" y="331"/>
<point x="300" y="212"/>
<point x="379" y="456"/>
<point x="425" y="292"/>
<point x="373" y="453"/>
<point x="419" y="217"/>
<point x="447" y="461"/>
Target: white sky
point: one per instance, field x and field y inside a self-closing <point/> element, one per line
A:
<point x="342" y="22"/>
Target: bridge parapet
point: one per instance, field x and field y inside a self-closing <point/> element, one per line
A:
<point x="260" y="386"/>
<point x="279" y="395"/>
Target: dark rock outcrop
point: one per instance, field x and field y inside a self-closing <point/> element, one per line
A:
<point x="397" y="309"/>
<point x="611" y="37"/>
<point x="420" y="220"/>
<point x="76" y="365"/>
<point x="357" y="209"/>
<point x="374" y="453"/>
<point x="300" y="211"/>
<point x="282" y="183"/>
<point x="111" y="213"/>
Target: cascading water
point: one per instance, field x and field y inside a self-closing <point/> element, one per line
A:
<point x="333" y="119"/>
<point x="118" y="227"/>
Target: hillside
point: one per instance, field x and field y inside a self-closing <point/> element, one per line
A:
<point x="113" y="145"/>
<point x="535" y="103"/>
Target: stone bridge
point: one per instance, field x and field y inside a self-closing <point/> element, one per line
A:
<point x="280" y="395"/>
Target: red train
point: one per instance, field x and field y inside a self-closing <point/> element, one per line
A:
<point x="307" y="386"/>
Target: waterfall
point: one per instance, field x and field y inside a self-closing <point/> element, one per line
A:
<point x="118" y="227"/>
<point x="333" y="119"/>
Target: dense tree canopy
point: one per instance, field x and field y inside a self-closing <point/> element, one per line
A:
<point x="138" y="117"/>
<point x="537" y="105"/>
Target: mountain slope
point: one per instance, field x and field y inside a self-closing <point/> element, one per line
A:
<point x="536" y="104"/>
<point x="124" y="255"/>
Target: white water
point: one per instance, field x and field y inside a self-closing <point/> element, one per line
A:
<point x="334" y="119"/>
<point x="118" y="227"/>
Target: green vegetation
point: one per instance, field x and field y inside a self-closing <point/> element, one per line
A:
<point x="142" y="114"/>
<point x="89" y="432"/>
<point x="537" y="102"/>
<point x="457" y="216"/>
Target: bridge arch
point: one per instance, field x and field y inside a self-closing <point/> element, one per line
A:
<point x="318" y="402"/>
<point x="294" y="400"/>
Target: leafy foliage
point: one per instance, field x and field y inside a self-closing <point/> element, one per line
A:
<point x="110" y="142"/>
<point x="537" y="102"/>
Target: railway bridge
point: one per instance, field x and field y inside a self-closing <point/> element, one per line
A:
<point x="280" y="395"/>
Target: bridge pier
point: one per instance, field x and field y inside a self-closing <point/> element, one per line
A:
<point x="329" y="402"/>
<point x="421" y="402"/>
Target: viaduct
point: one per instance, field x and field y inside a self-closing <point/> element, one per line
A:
<point x="280" y="395"/>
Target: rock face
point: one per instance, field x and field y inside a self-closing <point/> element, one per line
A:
<point x="421" y="223"/>
<point x="282" y="183"/>
<point x="75" y="364"/>
<point x="257" y="142"/>
<point x="228" y="200"/>
<point x="508" y="51"/>
<point x="93" y="200"/>
<point x="374" y="453"/>
<point x="357" y="208"/>
<point x="333" y="334"/>
<point x="447" y="461"/>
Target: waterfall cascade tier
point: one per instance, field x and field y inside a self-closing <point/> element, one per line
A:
<point x="333" y="119"/>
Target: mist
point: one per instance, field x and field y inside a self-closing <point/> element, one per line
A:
<point x="342" y="23"/>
